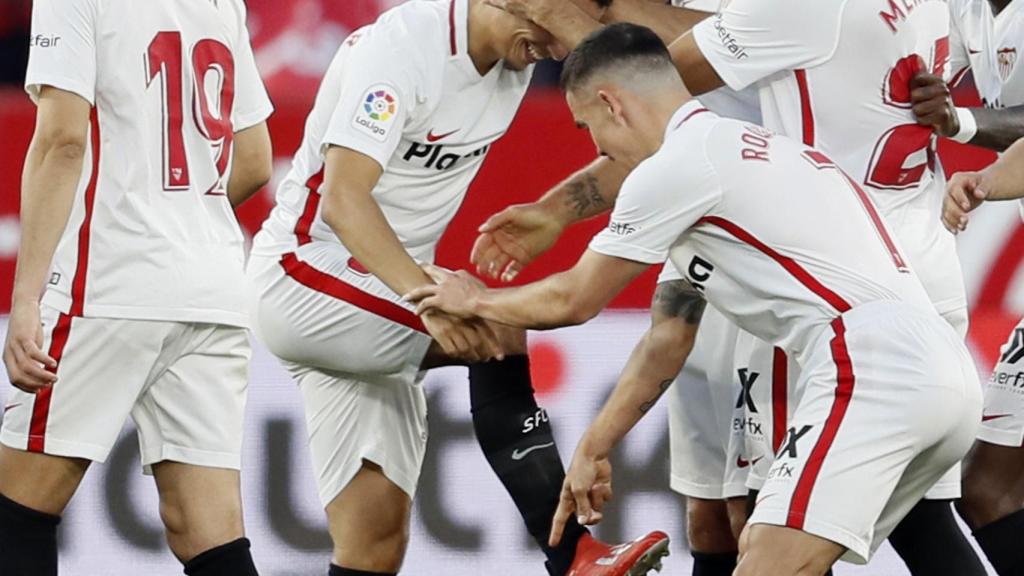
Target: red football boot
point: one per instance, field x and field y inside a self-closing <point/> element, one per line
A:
<point x="636" y="558"/>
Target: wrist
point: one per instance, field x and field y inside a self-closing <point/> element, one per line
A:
<point x="968" y="126"/>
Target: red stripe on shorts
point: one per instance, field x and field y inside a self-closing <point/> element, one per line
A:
<point x="324" y="283"/>
<point x="806" y="112"/>
<point x="843" y="393"/>
<point x="59" y="337"/>
<point x="780" y="398"/>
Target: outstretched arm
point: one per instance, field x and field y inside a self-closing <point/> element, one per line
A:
<point x="565" y="299"/>
<point x="653" y="366"/>
<point x="519" y="234"/>
<point x="1003" y="180"/>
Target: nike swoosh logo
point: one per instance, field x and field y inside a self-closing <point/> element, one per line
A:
<point x="987" y="417"/>
<point x="972" y="51"/>
<point x="517" y="455"/>
<point x="431" y="137"/>
<point x="10" y="406"/>
<point x="744" y="463"/>
<point x="762" y="499"/>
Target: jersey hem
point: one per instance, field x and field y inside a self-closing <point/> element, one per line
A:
<point x="195" y="315"/>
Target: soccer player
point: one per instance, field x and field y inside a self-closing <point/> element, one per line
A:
<point x="985" y="40"/>
<point x="819" y="83"/>
<point x="891" y="398"/>
<point x="128" y="294"/>
<point x="402" y="123"/>
<point x="707" y="463"/>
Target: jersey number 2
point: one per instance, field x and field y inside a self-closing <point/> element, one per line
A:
<point x="888" y="168"/>
<point x="213" y="67"/>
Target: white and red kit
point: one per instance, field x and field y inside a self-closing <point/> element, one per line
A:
<point x="144" y="309"/>
<point x="890" y="397"/>
<point x="835" y="75"/>
<point x="988" y="46"/>
<point x="404" y="92"/>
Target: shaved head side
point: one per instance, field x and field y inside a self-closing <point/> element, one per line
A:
<point x="632" y="54"/>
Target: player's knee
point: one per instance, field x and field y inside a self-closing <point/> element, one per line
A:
<point x="709" y="528"/>
<point x="369" y="523"/>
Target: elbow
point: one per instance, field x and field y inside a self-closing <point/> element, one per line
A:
<point x="63" y="144"/>
<point x="578" y="310"/>
<point x="333" y="210"/>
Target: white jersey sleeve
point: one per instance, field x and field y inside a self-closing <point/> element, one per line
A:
<point x="959" y="58"/>
<point x="375" y="101"/>
<point x="653" y="209"/>
<point x="252" y="104"/>
<point x="62" y="52"/>
<point x="753" y="39"/>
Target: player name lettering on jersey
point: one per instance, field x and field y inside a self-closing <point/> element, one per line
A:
<point x="755" y="139"/>
<point x="895" y="12"/>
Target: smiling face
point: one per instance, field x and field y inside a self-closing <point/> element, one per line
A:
<point x="525" y="43"/>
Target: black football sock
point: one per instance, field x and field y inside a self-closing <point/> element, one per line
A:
<point x="231" y="559"/>
<point x="720" y="564"/>
<point x="1001" y="542"/>
<point x="515" y="436"/>
<point x="930" y="542"/>
<point x="339" y="571"/>
<point x="28" y="540"/>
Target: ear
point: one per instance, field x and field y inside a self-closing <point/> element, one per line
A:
<point x="613" y="105"/>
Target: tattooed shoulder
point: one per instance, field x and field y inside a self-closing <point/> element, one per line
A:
<point x="678" y="298"/>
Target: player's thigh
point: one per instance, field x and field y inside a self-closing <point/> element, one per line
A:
<point x="200" y="506"/>
<point x="780" y="551"/>
<point x="354" y="419"/>
<point x="103" y="364"/>
<point x="193" y="411"/>
<point x="884" y="412"/>
<point x="325" y="314"/>
<point x="369" y="522"/>
<point x="39" y="481"/>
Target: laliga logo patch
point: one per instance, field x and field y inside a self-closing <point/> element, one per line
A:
<point x="380" y="105"/>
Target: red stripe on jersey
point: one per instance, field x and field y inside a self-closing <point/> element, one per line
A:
<point x="844" y="391"/>
<point x="805" y="107"/>
<point x="791" y="266"/>
<point x="780" y="397"/>
<point x="305" y="222"/>
<point x="690" y="115"/>
<point x="879" y="225"/>
<point x="84" y="231"/>
<point x="324" y="283"/>
<point x="451" y="28"/>
<point x="41" y="406"/>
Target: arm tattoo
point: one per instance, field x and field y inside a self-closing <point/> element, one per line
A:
<point x="646" y="406"/>
<point x="584" y="197"/>
<point x="678" y="298"/>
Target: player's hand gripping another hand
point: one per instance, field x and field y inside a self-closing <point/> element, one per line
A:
<point x="965" y="192"/>
<point x="23" y="355"/>
<point x="933" y="105"/>
<point x="455" y="293"/>
<point x="513" y="238"/>
<point x="468" y="340"/>
<point x="587" y="486"/>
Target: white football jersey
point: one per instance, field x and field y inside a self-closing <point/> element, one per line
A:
<point x="774" y="235"/>
<point x="835" y="74"/>
<point x="739" y="104"/>
<point x="151" y="234"/>
<point x="989" y="45"/>
<point x="405" y="92"/>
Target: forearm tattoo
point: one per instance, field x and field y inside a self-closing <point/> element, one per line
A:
<point x="679" y="299"/>
<point x="646" y="406"/>
<point x="584" y="197"/>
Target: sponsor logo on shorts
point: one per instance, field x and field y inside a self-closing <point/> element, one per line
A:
<point x="517" y="455"/>
<point x="55" y="278"/>
<point x="728" y="40"/>
<point x="747" y="379"/>
<point x="793" y="436"/>
<point x="749" y="425"/>
<point x="699" y="272"/>
<point x="1014" y="349"/>
<point x="378" y="112"/>
<point x="1012" y="380"/>
<point x="781" y="470"/>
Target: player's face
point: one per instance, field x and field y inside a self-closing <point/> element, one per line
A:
<point x="601" y="113"/>
<point x="528" y="44"/>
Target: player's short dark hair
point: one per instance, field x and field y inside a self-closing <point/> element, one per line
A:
<point x="618" y="44"/>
